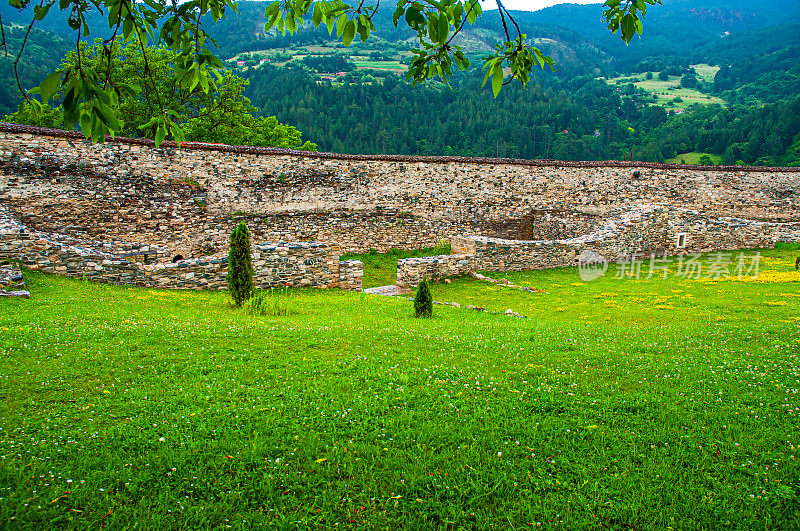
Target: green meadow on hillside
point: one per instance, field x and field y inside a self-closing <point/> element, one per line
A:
<point x="666" y="91"/>
<point x="694" y="158"/>
<point x="616" y="404"/>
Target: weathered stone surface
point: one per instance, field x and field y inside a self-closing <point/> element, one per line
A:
<point x="282" y="264"/>
<point x="187" y="200"/>
<point x="641" y="232"/>
<point x="10" y="279"/>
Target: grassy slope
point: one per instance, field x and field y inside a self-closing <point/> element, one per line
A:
<point x="668" y="90"/>
<point x="652" y="404"/>
<point x="694" y="158"/>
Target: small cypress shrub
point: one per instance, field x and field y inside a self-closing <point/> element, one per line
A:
<point x="423" y="301"/>
<point x="240" y="265"/>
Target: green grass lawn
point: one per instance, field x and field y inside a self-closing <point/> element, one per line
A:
<point x="617" y="404"/>
<point x="380" y="269"/>
<point x="694" y="158"/>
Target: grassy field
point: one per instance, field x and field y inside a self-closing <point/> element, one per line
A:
<point x="359" y="57"/>
<point x="617" y="404"/>
<point x="694" y="158"/>
<point x="380" y="269"/>
<point x="706" y="72"/>
<point x="667" y="91"/>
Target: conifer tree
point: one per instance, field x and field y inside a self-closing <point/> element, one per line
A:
<point x="240" y="265"/>
<point x="423" y="301"/>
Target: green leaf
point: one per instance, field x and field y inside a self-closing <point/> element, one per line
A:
<point x="39" y="12"/>
<point x="398" y="13"/>
<point x="473" y="11"/>
<point x="161" y="133"/>
<point x="272" y="13"/>
<point x="291" y="24"/>
<point x="127" y="27"/>
<point x="433" y="28"/>
<point x="316" y="17"/>
<point x="488" y="67"/>
<point x="330" y="21"/>
<point x="86" y="125"/>
<point x="458" y="13"/>
<point x="341" y="22"/>
<point x="497" y="79"/>
<point x="444" y="29"/>
<point x="363" y="28"/>
<point x="50" y="86"/>
<point x="414" y="18"/>
<point x="349" y="32"/>
<point x="203" y="81"/>
<point x="628" y="27"/>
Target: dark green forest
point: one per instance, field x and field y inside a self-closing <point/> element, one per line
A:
<point x="45" y="52"/>
<point x="572" y="114"/>
<point x="577" y="119"/>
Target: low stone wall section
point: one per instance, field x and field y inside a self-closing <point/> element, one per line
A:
<point x="410" y="271"/>
<point x="301" y="264"/>
<point x="351" y="274"/>
<point x="653" y="229"/>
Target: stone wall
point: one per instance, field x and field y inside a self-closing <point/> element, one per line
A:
<point x="187" y="199"/>
<point x="649" y="230"/>
<point x="284" y="264"/>
<point x="410" y="271"/>
<point x="351" y="274"/>
<point x="653" y="229"/>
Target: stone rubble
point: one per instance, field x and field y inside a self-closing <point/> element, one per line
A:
<point x="11" y="281"/>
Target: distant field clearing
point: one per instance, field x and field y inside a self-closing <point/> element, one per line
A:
<point x="667" y="91"/>
<point x="693" y="158"/>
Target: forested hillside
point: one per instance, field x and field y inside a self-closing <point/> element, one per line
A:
<point x="45" y="52"/>
<point x="578" y="119"/>
<point x="709" y="80"/>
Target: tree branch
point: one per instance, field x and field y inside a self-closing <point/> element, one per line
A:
<point x="112" y="40"/>
<point x="463" y="21"/>
<point x="19" y="55"/>
<point x="502" y="7"/>
<point x="147" y="71"/>
<point x="503" y="20"/>
<point x="3" y="32"/>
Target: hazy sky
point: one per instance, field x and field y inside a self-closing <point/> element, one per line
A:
<point x="532" y="5"/>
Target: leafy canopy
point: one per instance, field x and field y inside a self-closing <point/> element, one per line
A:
<point x="90" y="95"/>
<point x="222" y="115"/>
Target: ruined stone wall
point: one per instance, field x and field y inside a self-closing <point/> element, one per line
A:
<point x="410" y="271"/>
<point x="640" y="233"/>
<point x="284" y="264"/>
<point x="188" y="199"/>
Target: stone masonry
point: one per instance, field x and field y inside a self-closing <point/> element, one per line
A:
<point x="162" y="216"/>
<point x="645" y="231"/>
<point x="283" y="264"/>
<point x="187" y="199"/>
